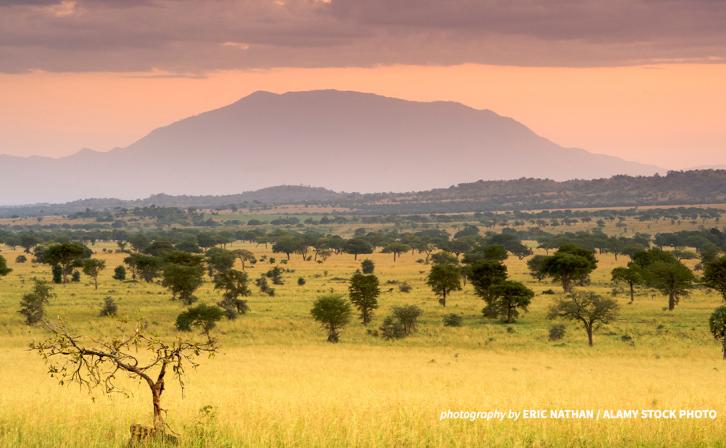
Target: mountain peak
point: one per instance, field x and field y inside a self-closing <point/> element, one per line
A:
<point x="343" y="140"/>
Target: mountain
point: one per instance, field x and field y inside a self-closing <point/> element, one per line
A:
<point x="346" y="141"/>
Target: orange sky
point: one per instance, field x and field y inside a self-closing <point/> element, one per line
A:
<point x="669" y="115"/>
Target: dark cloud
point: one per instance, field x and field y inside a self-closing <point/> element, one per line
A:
<point x="195" y="36"/>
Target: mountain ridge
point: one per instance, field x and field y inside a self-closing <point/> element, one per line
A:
<point x="344" y="140"/>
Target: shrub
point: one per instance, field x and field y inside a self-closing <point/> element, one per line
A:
<point x="32" y="305"/>
<point x="21" y="259"/>
<point x="557" y="332"/>
<point x="453" y="320"/>
<point x="392" y="328"/>
<point x="405" y="287"/>
<point x="301" y="281"/>
<point x="119" y="273"/>
<point x="333" y="312"/>
<point x="76" y="276"/>
<point x="109" y="307"/>
<point x="367" y="266"/>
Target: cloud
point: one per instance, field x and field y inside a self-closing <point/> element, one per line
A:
<point x="197" y="36"/>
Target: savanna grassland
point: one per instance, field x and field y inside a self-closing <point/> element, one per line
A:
<point x="277" y="382"/>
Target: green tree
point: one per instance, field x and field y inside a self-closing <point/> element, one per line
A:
<point x="145" y="266"/>
<point x="630" y="276"/>
<point x="363" y="291"/>
<point x="717" y="325"/>
<point x="333" y="312"/>
<point x="714" y="275"/>
<point x="219" y="260"/>
<point x="66" y="255"/>
<point x="183" y="275"/>
<point x="4" y="269"/>
<point x="671" y="279"/>
<point x="92" y="267"/>
<point x="484" y="275"/>
<point x="443" y="279"/>
<point x="396" y="248"/>
<point x="506" y="299"/>
<point x="233" y="284"/>
<point x="32" y="305"/>
<point x="590" y="309"/>
<point x="569" y="265"/>
<point x="357" y="246"/>
<point x="204" y="317"/>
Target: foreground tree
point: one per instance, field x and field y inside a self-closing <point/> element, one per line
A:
<point x="717" y="325"/>
<point x="91" y="363"/>
<point x="92" y="267"/>
<point x="484" y="275"/>
<point x="506" y="299"/>
<point x="588" y="308"/>
<point x="443" y="279"/>
<point x="32" y="305"/>
<point x="714" y="275"/>
<point x="333" y="312"/>
<point x="364" y="291"/>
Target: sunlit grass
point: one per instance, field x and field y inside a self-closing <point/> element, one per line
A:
<point x="277" y="382"/>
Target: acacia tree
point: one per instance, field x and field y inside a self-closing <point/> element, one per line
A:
<point x="671" y="279"/>
<point x="630" y="276"/>
<point x="717" y="325"/>
<point x="714" y="275"/>
<point x="245" y="256"/>
<point x="569" y="265"/>
<point x="65" y="255"/>
<point x="92" y="267"/>
<point x="364" y="291"/>
<point x="93" y="363"/>
<point x="396" y="248"/>
<point x="182" y="275"/>
<point x="443" y="279"/>
<point x="506" y="299"/>
<point x="588" y="308"/>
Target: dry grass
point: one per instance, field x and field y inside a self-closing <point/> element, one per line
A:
<point x="278" y="383"/>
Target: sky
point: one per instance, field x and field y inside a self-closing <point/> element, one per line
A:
<point x="639" y="79"/>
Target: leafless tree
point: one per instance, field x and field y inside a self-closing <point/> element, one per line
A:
<point x="93" y="363"/>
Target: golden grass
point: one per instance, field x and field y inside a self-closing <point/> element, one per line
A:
<point x="278" y="383"/>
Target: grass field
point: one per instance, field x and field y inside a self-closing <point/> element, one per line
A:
<point x="277" y="382"/>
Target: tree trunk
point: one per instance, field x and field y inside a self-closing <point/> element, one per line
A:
<point x="671" y="301"/>
<point x="632" y="293"/>
<point x="95" y="282"/>
<point x="724" y="348"/>
<point x="589" y="335"/>
<point x="156" y="398"/>
<point x="443" y="299"/>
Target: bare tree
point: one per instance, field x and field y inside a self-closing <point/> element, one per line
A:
<point x="95" y="363"/>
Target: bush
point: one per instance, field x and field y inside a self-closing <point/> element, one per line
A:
<point x="392" y="328"/>
<point x="401" y="322"/>
<point x="367" y="266"/>
<point x="405" y="287"/>
<point x="109" y="307"/>
<point x="453" y="320"/>
<point x="32" y="305"/>
<point x="21" y="259"/>
<point x="76" y="276"/>
<point x="557" y="332"/>
<point x="119" y="273"/>
<point x="301" y="281"/>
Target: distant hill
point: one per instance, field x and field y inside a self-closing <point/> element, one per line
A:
<point x="675" y="188"/>
<point x="346" y="141"/>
